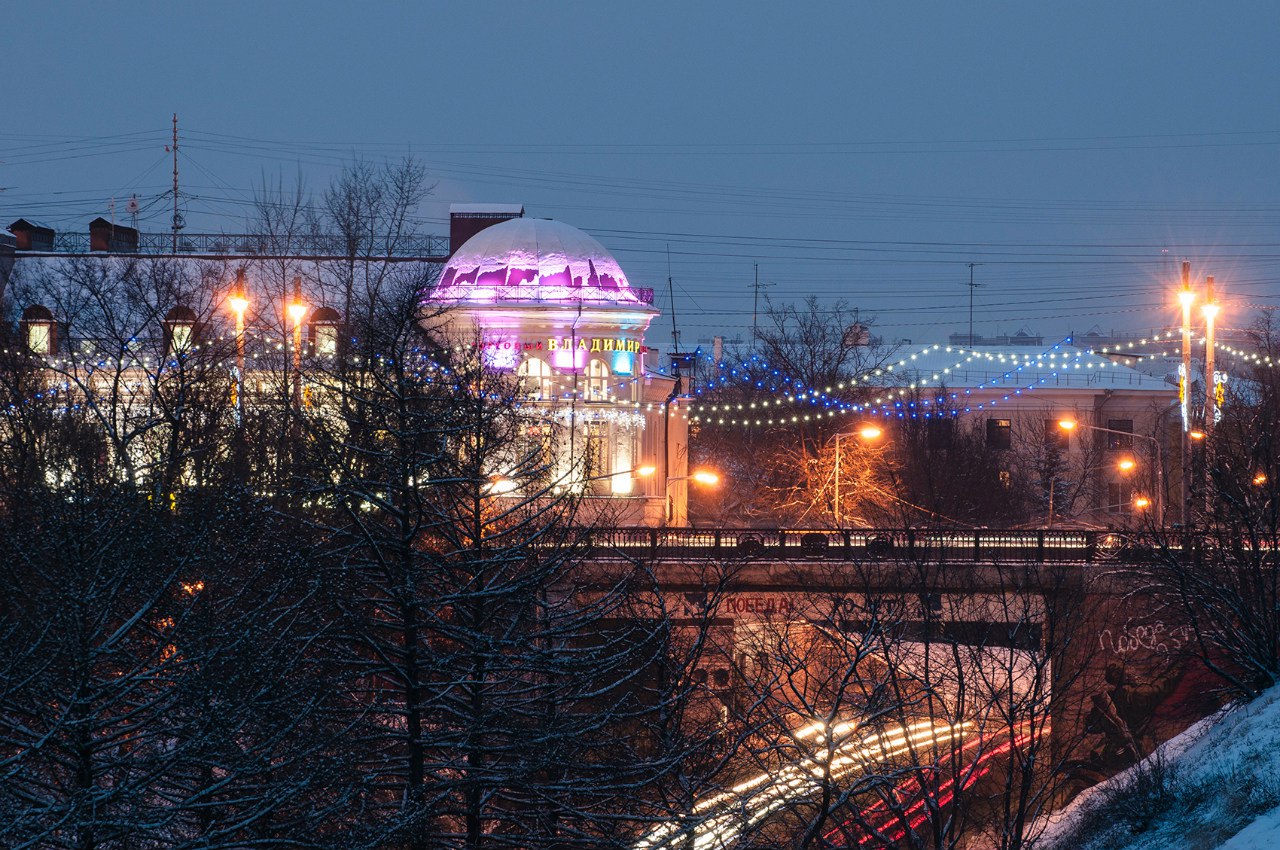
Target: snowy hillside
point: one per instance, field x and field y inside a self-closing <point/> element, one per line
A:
<point x="1215" y="787"/>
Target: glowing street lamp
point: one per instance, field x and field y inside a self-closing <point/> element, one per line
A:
<point x="867" y="431"/>
<point x="1128" y="464"/>
<point x="297" y="311"/>
<point x="238" y="301"/>
<point x="1141" y="503"/>
<point x="705" y="477"/>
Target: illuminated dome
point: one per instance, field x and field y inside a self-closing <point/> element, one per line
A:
<point x="534" y="260"/>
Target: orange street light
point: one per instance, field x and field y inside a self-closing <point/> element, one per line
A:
<point x="702" y="476"/>
<point x="1260" y="479"/>
<point x="1128" y="464"/>
<point x="1196" y="435"/>
<point x="866" y="431"/>
<point x="645" y="471"/>
<point x="1141" y="503"/>
<point x="238" y="301"/>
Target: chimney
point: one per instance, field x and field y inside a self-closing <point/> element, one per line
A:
<point x="466" y="220"/>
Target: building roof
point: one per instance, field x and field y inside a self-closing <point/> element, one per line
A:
<point x="1016" y="368"/>
<point x="525" y="260"/>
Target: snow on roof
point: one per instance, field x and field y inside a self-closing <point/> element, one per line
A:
<point x="533" y="259"/>
<point x="1002" y="367"/>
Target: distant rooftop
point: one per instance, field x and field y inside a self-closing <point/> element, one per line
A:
<point x="1014" y="366"/>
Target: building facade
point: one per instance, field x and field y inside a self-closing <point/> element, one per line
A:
<point x="549" y="304"/>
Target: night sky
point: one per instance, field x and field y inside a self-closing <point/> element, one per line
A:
<point x="854" y="150"/>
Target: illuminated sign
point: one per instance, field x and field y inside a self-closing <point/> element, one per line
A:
<point x="565" y="343"/>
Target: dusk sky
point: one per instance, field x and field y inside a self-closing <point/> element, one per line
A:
<point x="854" y="150"/>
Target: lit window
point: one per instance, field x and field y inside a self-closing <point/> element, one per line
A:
<point x="323" y="334"/>
<point x="326" y="339"/>
<point x="181" y="340"/>
<point x="535" y="376"/>
<point x="39" y="337"/>
<point x="38" y="330"/>
<point x="597" y="381"/>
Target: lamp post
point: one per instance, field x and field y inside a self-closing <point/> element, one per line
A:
<point x="864" y="432"/>
<point x="1070" y="424"/>
<point x="1126" y="465"/>
<point x="701" y="476"/>
<point x="1186" y="298"/>
<point x="297" y="311"/>
<point x="238" y="301"/>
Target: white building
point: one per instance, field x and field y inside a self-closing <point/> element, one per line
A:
<point x="549" y="303"/>
<point x="1126" y="443"/>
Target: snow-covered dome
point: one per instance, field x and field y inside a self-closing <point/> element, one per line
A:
<point x="534" y="259"/>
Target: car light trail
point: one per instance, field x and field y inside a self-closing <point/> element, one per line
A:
<point x="717" y="822"/>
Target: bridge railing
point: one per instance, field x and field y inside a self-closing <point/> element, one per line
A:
<point x="1033" y="545"/>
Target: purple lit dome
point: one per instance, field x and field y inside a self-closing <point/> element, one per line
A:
<point x="534" y="260"/>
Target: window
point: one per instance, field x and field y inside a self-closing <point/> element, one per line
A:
<point x="179" y="330"/>
<point x="596" y="456"/>
<point x="999" y="434"/>
<point x="939" y="433"/>
<point x="37" y="330"/>
<point x="1056" y="437"/>
<point x="1118" y="442"/>
<point x="39" y="338"/>
<point x="327" y="339"/>
<point x="1119" y="497"/>
<point x="597" y="381"/>
<point x="535" y="376"/>
<point x="323" y="334"/>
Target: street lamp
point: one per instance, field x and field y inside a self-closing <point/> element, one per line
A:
<point x="297" y="311"/>
<point x="867" y="431"/>
<point x="705" y="477"/>
<point x="238" y="301"/>
<point x="1069" y="424"/>
<point x="1126" y="465"/>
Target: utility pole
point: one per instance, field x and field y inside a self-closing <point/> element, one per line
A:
<point x="972" y="287"/>
<point x="671" y="295"/>
<point x="755" y="306"/>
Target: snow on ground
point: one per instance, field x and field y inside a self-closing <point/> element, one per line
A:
<point x="1214" y="787"/>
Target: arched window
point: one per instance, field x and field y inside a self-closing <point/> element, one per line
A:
<point x="179" y="330"/>
<point x="39" y="330"/>
<point x="323" y="331"/>
<point x="535" y="375"/>
<point x="597" y="381"/>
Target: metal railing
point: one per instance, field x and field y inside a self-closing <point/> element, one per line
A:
<point x="892" y="544"/>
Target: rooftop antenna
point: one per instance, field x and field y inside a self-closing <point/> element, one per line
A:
<point x="178" y="223"/>
<point x="972" y="287"/>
